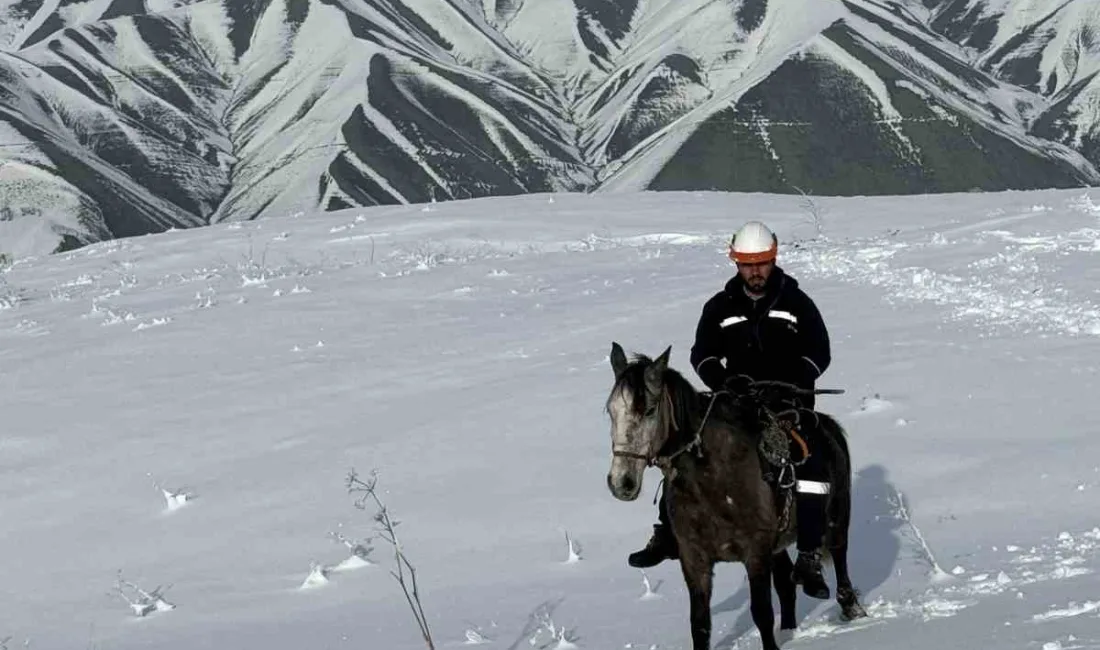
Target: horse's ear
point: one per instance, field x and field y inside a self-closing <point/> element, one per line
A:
<point x="618" y="358"/>
<point x="655" y="373"/>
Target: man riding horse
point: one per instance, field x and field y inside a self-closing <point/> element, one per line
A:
<point x="764" y="327"/>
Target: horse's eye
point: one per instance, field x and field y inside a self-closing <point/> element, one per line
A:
<point x="650" y="411"/>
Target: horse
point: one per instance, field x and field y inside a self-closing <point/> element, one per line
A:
<point x="721" y="507"/>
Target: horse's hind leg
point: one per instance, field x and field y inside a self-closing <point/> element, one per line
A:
<point x="840" y="519"/>
<point x="759" y="569"/>
<point x="846" y="595"/>
<point x="782" y="567"/>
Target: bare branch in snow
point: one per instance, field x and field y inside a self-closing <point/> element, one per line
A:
<point x="405" y="572"/>
<point x="142" y="602"/>
<point x="815" y="212"/>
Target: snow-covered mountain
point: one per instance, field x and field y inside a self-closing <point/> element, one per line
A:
<point x="1049" y="48"/>
<point x="120" y="117"/>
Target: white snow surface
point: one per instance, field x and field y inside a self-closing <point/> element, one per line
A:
<point x="184" y="408"/>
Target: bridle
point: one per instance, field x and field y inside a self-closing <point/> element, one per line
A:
<point x="655" y="459"/>
<point x="670" y="425"/>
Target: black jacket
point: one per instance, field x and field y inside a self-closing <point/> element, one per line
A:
<point x="780" y="336"/>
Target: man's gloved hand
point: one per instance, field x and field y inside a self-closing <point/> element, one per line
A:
<point x="712" y="372"/>
<point x="738" y="384"/>
<point x="807" y="374"/>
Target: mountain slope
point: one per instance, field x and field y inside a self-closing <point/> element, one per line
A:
<point x="1052" y="49"/>
<point x="866" y="103"/>
<point x="133" y="116"/>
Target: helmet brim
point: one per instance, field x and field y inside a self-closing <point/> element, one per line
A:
<point x="753" y="258"/>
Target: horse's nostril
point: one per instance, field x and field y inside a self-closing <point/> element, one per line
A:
<point x="628" y="484"/>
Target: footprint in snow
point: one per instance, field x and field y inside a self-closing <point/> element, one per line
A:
<point x="875" y="404"/>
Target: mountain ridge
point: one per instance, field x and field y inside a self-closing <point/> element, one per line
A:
<point x="133" y="116"/>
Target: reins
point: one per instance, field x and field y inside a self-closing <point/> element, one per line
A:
<point x="664" y="461"/>
<point x="695" y="444"/>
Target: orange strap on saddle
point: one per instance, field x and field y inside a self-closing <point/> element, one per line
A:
<point x="801" y="443"/>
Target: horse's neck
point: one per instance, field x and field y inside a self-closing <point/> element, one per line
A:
<point x="719" y="435"/>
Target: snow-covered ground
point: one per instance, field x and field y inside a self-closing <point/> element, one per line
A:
<point x="461" y="350"/>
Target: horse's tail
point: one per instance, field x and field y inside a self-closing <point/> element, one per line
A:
<point x="840" y="503"/>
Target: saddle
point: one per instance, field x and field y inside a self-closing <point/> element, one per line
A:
<point x="783" y="445"/>
<point x="782" y="450"/>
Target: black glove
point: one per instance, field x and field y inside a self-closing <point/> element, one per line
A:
<point x="712" y="372"/>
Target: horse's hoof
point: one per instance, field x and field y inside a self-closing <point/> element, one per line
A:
<point x="784" y="636"/>
<point x="850" y="607"/>
<point x="852" y="612"/>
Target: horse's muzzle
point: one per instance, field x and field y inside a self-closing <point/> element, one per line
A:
<point x="623" y="486"/>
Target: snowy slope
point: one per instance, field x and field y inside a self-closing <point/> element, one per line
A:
<point x="461" y="349"/>
<point x="152" y="114"/>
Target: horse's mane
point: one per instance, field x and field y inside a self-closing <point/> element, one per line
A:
<point x="688" y="404"/>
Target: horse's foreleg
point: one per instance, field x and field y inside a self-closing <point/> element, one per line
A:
<point x="846" y="595"/>
<point x="699" y="578"/>
<point x="782" y="567"/>
<point x="759" y="570"/>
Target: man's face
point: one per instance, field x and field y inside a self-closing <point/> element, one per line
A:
<point x="756" y="275"/>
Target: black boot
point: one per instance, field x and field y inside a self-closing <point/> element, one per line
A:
<point x="811" y="531"/>
<point x="661" y="547"/>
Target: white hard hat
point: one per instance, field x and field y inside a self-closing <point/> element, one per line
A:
<point x="753" y="243"/>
